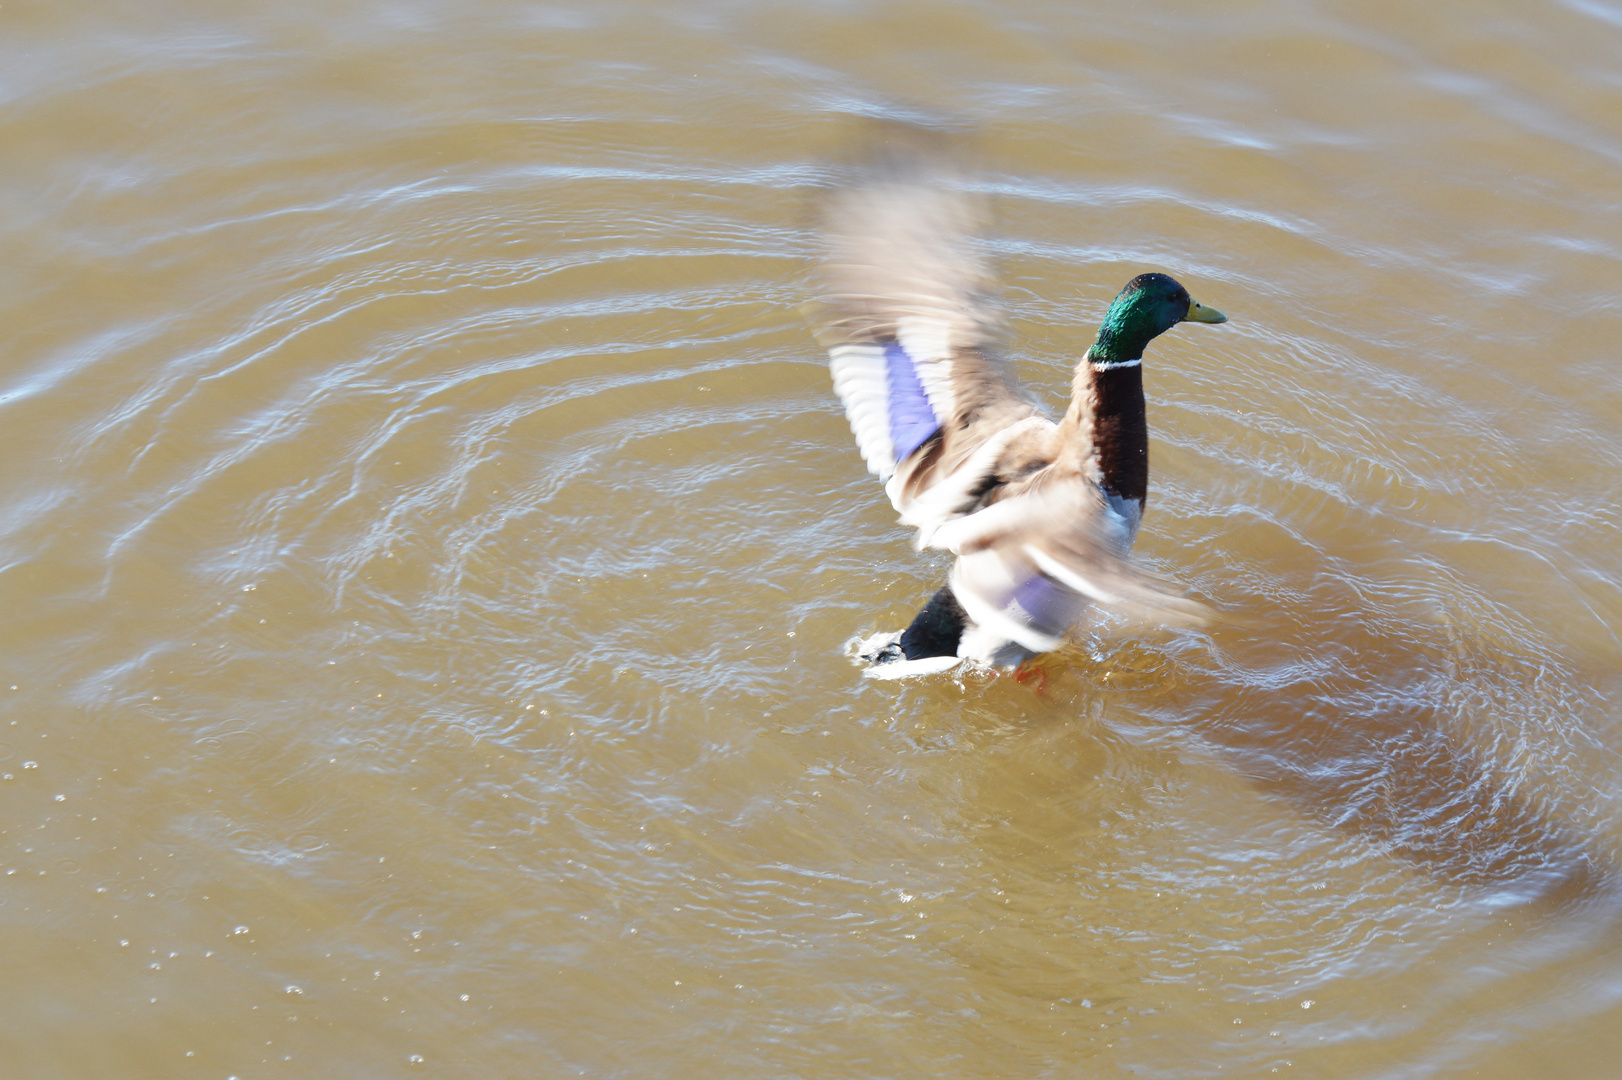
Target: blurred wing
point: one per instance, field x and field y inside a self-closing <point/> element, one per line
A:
<point x="912" y="322"/>
<point x="1030" y="564"/>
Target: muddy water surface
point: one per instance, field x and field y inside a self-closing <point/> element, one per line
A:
<point x="428" y="537"/>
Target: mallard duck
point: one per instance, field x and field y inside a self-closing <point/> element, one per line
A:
<point x="1040" y="514"/>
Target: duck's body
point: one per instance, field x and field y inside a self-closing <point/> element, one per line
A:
<point x="1041" y="514"/>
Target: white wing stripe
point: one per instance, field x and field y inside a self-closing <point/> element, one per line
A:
<point x="929" y="342"/>
<point x="859" y="379"/>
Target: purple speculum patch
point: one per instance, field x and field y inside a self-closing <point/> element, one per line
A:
<point x="912" y="421"/>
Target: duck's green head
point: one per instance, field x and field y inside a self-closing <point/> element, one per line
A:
<point x="1150" y="305"/>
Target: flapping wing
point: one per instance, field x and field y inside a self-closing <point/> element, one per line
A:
<point x="912" y="324"/>
<point x="1032" y="562"/>
<point x="912" y="329"/>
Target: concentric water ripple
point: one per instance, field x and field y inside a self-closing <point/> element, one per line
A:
<point x="431" y="539"/>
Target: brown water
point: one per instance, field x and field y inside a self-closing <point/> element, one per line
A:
<point x="429" y="539"/>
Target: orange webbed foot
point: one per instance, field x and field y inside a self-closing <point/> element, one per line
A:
<point x="1033" y="675"/>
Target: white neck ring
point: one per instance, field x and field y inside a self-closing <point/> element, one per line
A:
<point x="1111" y="365"/>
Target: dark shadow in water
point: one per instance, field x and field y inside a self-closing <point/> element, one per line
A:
<point x="1402" y="782"/>
<point x="1396" y="739"/>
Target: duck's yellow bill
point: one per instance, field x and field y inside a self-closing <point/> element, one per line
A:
<point x="1198" y="312"/>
